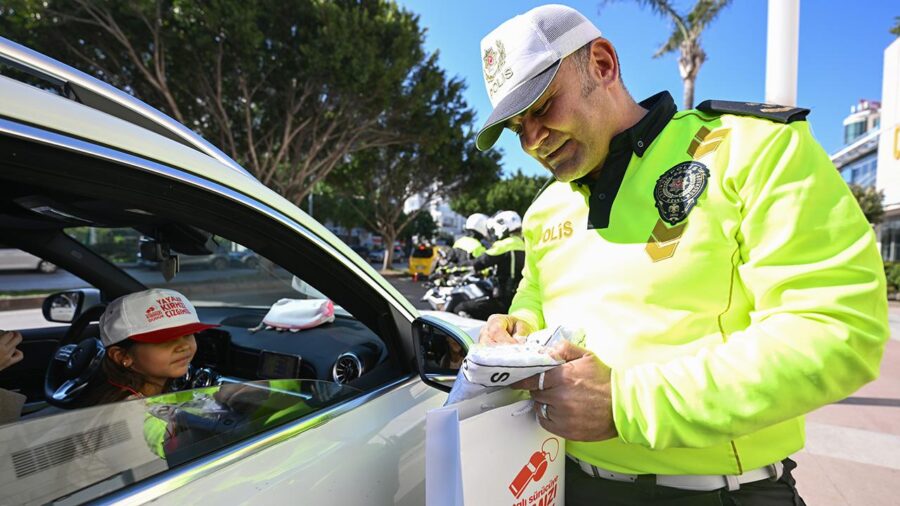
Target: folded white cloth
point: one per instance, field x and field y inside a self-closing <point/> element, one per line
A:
<point x="298" y="314"/>
<point x="487" y="367"/>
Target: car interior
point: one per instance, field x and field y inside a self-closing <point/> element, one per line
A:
<point x="55" y="204"/>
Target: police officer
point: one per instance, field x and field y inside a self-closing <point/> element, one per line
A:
<point x="470" y="245"/>
<point x="506" y="257"/>
<point x="726" y="279"/>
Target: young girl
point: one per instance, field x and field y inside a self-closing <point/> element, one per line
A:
<point x="149" y="340"/>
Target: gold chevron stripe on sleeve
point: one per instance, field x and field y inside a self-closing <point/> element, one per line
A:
<point x="698" y="138"/>
<point x="708" y="143"/>
<point x="662" y="233"/>
<point x="663" y="240"/>
<point x="658" y="252"/>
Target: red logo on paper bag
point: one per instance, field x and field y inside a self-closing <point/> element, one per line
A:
<point x="534" y="470"/>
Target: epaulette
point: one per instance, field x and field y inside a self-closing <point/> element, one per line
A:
<point x="547" y="183"/>
<point x="779" y="113"/>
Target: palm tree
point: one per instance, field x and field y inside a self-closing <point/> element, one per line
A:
<point x="686" y="37"/>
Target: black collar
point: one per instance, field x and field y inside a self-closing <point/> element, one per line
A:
<point x="636" y="139"/>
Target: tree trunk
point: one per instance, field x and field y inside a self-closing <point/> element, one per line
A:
<point x="688" y="93"/>
<point x="388" y="239"/>
<point x="689" y="62"/>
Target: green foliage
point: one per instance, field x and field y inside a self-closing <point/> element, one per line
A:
<point x="892" y="273"/>
<point x="870" y="200"/>
<point x="422" y="225"/>
<point x="441" y="158"/>
<point x="896" y="29"/>
<point x="289" y="88"/>
<point x="118" y="245"/>
<point x="515" y="193"/>
<point x="331" y="206"/>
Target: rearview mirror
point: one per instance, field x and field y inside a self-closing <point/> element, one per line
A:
<point x="153" y="251"/>
<point x="440" y="348"/>
<point x="64" y="307"/>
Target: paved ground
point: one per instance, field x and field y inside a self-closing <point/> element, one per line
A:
<point x="852" y="454"/>
<point x="412" y="290"/>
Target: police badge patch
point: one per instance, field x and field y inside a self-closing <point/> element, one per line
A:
<point x="678" y="189"/>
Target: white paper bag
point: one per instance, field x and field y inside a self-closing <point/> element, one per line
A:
<point x="491" y="450"/>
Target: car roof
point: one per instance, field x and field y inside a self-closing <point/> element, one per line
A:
<point x="99" y="95"/>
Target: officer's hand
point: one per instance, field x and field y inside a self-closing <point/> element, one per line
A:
<point x="9" y="354"/>
<point x="577" y="394"/>
<point x="504" y="329"/>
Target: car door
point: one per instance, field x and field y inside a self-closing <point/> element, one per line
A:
<point x="365" y="450"/>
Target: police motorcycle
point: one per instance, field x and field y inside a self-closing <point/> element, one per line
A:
<point x="504" y="260"/>
<point x="452" y="285"/>
<point x="455" y="281"/>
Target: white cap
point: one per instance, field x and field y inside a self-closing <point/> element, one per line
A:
<point x="520" y="58"/>
<point x="150" y="316"/>
<point x="299" y="314"/>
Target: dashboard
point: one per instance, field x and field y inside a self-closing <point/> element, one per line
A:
<point x="340" y="351"/>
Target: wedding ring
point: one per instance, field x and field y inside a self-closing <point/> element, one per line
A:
<point x="541" y="381"/>
<point x="544" y="412"/>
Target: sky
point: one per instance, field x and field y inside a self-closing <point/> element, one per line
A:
<point x="841" y="54"/>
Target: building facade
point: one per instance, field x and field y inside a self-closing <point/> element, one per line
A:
<point x="871" y="154"/>
<point x="450" y="223"/>
<point x="888" y="156"/>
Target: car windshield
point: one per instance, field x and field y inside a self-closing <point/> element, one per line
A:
<point x="422" y="252"/>
<point x="224" y="274"/>
<point x="88" y="452"/>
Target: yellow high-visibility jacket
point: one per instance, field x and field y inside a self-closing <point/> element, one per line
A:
<point x="723" y="270"/>
<point x="470" y="245"/>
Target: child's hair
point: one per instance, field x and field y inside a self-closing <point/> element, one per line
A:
<point x="115" y="382"/>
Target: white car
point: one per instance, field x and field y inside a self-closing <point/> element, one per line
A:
<point x="340" y="419"/>
<point x="16" y="259"/>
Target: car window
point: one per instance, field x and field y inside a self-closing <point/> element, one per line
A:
<point x="422" y="252"/>
<point x="281" y="351"/>
<point x="25" y="280"/>
<point x="77" y="456"/>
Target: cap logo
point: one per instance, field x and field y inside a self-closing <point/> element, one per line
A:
<point x="172" y="306"/>
<point x="153" y="314"/>
<point x="495" y="70"/>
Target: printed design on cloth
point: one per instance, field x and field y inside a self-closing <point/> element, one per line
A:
<point x="534" y="470"/>
<point x="678" y="189"/>
<point x="166" y="307"/>
<point x="494" y="58"/>
<point x="496" y="72"/>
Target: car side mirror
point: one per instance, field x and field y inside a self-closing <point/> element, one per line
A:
<point x="440" y="348"/>
<point x="64" y="307"/>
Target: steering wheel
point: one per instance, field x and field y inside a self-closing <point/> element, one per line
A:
<point x="75" y="362"/>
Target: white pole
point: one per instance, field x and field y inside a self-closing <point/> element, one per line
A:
<point x="782" y="41"/>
